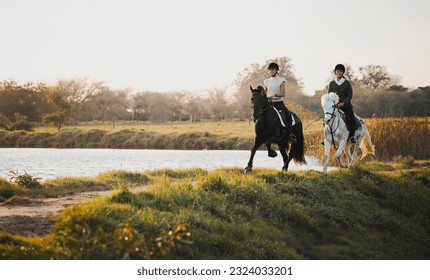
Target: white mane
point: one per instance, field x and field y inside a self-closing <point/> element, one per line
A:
<point x="329" y="96"/>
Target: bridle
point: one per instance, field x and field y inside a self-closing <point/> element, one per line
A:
<point x="261" y="108"/>
<point x="330" y="123"/>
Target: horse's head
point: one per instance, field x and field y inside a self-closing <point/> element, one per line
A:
<point x="328" y="102"/>
<point x="259" y="100"/>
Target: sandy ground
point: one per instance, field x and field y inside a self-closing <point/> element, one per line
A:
<point x="35" y="217"/>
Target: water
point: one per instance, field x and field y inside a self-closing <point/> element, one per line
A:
<point x="52" y="163"/>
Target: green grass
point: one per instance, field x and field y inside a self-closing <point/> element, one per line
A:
<point x="223" y="214"/>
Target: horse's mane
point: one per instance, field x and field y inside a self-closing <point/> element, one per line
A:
<point x="329" y="96"/>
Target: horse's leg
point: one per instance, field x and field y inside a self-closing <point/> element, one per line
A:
<point x="338" y="153"/>
<point x="356" y="147"/>
<point x="327" y="145"/>
<point x="257" y="143"/>
<point x="272" y="153"/>
<point x="285" y="157"/>
<point x="348" y="154"/>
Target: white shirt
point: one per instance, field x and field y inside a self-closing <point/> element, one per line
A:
<point x="273" y="85"/>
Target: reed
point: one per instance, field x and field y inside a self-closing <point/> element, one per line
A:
<point x="400" y="137"/>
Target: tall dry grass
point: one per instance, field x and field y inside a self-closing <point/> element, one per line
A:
<point x="400" y="137"/>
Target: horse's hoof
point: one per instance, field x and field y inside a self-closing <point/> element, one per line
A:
<point x="284" y="168"/>
<point x="272" y="153"/>
<point x="248" y="170"/>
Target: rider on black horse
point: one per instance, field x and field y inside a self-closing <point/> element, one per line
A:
<point x="343" y="89"/>
<point x="274" y="87"/>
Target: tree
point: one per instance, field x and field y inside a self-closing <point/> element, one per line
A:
<point x="140" y="106"/>
<point x="217" y="103"/>
<point x="117" y="105"/>
<point x="255" y="74"/>
<point x="176" y="103"/>
<point x="77" y="91"/>
<point x="193" y="106"/>
<point x="111" y="104"/>
<point x="242" y="104"/>
<point x="28" y="100"/>
<point x="61" y="108"/>
<point x="375" y="77"/>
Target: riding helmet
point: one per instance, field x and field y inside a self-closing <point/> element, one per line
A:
<point x="273" y="65"/>
<point x="340" y="67"/>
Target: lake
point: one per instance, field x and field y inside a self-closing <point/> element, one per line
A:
<point x="52" y="163"/>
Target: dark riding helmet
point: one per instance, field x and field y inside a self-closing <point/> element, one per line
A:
<point x="273" y="65"/>
<point x="340" y="67"/>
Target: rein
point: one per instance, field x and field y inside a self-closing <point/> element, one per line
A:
<point x="331" y="120"/>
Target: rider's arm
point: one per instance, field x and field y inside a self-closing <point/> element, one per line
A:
<point x="349" y="96"/>
<point x="282" y="90"/>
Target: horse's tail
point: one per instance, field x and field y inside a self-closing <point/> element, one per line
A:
<point x="366" y="145"/>
<point x="297" y="149"/>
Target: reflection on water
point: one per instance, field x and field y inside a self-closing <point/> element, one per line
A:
<point x="51" y="163"/>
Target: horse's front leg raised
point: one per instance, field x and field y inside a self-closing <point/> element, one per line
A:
<point x="257" y="144"/>
<point x="272" y="153"/>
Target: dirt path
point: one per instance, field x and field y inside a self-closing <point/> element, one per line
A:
<point x="35" y="217"/>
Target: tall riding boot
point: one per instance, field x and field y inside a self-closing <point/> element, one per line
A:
<point x="351" y="129"/>
<point x="288" y="130"/>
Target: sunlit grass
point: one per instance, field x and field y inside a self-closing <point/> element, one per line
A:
<point x="225" y="214"/>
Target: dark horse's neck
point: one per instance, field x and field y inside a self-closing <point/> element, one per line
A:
<point x="267" y="122"/>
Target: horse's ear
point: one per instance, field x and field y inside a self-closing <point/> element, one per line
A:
<point x="251" y="87"/>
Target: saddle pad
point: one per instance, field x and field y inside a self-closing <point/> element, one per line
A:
<point x="280" y="118"/>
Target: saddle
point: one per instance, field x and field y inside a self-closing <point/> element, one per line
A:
<point x="358" y="121"/>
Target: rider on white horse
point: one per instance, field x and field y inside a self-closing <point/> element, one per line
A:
<point x="343" y="89"/>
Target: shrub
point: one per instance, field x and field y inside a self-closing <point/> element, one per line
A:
<point x="25" y="180"/>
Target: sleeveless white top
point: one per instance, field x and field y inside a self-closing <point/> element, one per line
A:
<point x="273" y="85"/>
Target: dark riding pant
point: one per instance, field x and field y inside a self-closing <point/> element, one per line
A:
<point x="281" y="106"/>
<point x="350" y="119"/>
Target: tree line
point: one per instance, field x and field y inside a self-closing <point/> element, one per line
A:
<point x="377" y="93"/>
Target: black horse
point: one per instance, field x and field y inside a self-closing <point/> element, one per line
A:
<point x="268" y="129"/>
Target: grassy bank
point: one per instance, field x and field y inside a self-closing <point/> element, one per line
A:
<point x="370" y="212"/>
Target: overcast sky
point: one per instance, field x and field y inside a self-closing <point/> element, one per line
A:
<point x="164" y="45"/>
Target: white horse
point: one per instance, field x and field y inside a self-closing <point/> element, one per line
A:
<point x="336" y="132"/>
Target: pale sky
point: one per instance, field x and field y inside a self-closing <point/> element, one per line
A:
<point x="168" y="45"/>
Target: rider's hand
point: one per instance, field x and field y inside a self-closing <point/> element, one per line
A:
<point x="340" y="104"/>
